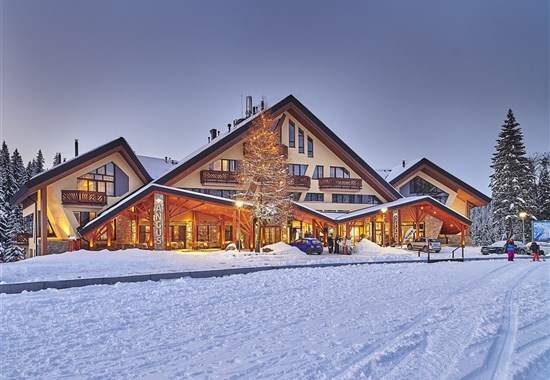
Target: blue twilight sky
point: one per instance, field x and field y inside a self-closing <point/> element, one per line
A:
<point x="395" y="79"/>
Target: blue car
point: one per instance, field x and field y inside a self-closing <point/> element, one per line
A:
<point x="308" y="245"/>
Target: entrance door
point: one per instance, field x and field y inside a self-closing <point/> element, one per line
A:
<point x="208" y="235"/>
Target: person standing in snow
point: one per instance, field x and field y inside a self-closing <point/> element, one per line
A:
<point x="536" y="251"/>
<point x="338" y="246"/>
<point x="510" y="248"/>
<point x="330" y="243"/>
<point x="348" y="245"/>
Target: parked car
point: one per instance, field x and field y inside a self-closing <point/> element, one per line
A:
<point x="308" y="245"/>
<point x="424" y="243"/>
<point x="499" y="247"/>
<point x="544" y="247"/>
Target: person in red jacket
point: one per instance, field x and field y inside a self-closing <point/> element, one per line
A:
<point x="536" y="251"/>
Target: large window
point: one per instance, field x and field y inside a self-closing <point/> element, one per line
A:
<point x="230" y="165"/>
<point x="229" y="194"/>
<point x="318" y="172"/>
<point x="300" y="141"/>
<point x="291" y="134"/>
<point x="339" y="172"/>
<point x="101" y="180"/>
<point x="309" y="147"/>
<point x="355" y="199"/>
<point x="314" y="197"/>
<point x="419" y="186"/>
<point x="83" y="217"/>
<point x="297" y="169"/>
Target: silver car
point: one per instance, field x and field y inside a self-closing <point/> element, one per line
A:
<point x="424" y="244"/>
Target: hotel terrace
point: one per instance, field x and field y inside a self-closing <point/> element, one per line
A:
<point x="111" y="198"/>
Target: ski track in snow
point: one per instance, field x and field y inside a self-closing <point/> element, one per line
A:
<point x="486" y="320"/>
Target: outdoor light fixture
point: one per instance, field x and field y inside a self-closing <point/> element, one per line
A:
<point x="523" y="215"/>
<point x="239" y="204"/>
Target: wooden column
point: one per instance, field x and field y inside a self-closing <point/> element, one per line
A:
<point x="194" y="229"/>
<point x="150" y="243"/>
<point x="43" y="221"/>
<point x="167" y="236"/>
<point x="109" y="235"/>
<point x="136" y="221"/>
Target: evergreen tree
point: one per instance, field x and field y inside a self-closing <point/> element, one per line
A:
<point x="20" y="177"/>
<point x="511" y="170"/>
<point x="482" y="231"/>
<point x="264" y="178"/>
<point x="543" y="190"/>
<point x="39" y="162"/>
<point x="31" y="169"/>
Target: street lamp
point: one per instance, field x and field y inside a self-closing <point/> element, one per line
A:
<point x="522" y="215"/>
<point x="239" y="204"/>
<point x="384" y="211"/>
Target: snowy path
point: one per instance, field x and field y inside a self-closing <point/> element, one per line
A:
<point x="474" y="320"/>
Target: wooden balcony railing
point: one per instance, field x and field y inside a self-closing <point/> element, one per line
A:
<point x="217" y="176"/>
<point x="81" y="197"/>
<point x="283" y="150"/>
<point x="301" y="181"/>
<point x="340" y="183"/>
<point x="20" y="238"/>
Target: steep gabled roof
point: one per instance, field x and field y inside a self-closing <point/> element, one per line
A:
<point x="305" y="117"/>
<point x="119" y="145"/>
<point x="440" y="175"/>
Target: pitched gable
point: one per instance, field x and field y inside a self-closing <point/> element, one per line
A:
<point x="305" y="117"/>
<point x="60" y="171"/>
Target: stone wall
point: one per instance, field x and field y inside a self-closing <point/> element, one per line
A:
<point x="432" y="226"/>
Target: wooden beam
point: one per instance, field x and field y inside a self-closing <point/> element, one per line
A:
<point x="44" y="220"/>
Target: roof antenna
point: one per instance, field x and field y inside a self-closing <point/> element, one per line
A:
<point x="242" y="109"/>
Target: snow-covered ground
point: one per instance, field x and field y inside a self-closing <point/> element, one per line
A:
<point x="472" y="320"/>
<point x="86" y="264"/>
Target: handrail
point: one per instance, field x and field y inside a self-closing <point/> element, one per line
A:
<point x="460" y="246"/>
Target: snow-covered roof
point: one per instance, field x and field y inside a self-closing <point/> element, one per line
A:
<point x="390" y="174"/>
<point x="156" y="166"/>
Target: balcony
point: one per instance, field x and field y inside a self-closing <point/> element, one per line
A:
<point x="300" y="181"/>
<point x="217" y="176"/>
<point x="283" y="150"/>
<point x="340" y="183"/>
<point x="20" y="238"/>
<point x="81" y="197"/>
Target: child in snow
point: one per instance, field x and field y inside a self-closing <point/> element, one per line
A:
<point x="510" y="248"/>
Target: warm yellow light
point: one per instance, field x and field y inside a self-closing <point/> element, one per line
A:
<point x="384" y="210"/>
<point x="239" y="204"/>
<point x="522" y="214"/>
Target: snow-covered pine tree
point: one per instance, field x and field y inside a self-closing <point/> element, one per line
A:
<point x="20" y="177"/>
<point x="263" y="177"/>
<point x="481" y="231"/>
<point x="39" y="162"/>
<point x="543" y="190"/>
<point x="511" y="171"/>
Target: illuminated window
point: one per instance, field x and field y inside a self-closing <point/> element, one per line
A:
<point x="230" y="165"/>
<point x="100" y="180"/>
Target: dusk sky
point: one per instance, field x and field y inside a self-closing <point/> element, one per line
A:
<point x="396" y="80"/>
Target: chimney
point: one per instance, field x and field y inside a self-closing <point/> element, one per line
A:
<point x="229" y="127"/>
<point x="248" y="106"/>
<point x="75" y="147"/>
<point x="262" y="105"/>
<point x="403" y="163"/>
<point x="57" y="159"/>
<point x="213" y="134"/>
<point x="165" y="158"/>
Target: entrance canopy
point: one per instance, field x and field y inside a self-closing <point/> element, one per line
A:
<point x="416" y="209"/>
